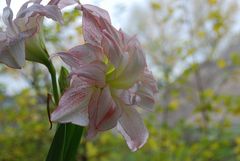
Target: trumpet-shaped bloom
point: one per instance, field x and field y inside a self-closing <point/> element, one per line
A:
<point x="109" y="81"/>
<point x="26" y="25"/>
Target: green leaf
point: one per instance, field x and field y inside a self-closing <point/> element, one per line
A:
<point x="73" y="137"/>
<point x="56" y="150"/>
<point x="63" y="79"/>
<point x="65" y="143"/>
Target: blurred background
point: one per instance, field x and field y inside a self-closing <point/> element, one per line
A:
<point x="193" y="49"/>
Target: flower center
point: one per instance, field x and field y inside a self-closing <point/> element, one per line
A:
<point x="110" y="66"/>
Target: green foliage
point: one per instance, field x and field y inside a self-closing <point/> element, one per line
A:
<point x="23" y="128"/>
<point x="169" y="144"/>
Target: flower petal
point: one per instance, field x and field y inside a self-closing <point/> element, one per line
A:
<point x="107" y="112"/>
<point x="92" y="113"/>
<point x="8" y="2"/>
<point x="7" y="19"/>
<point x="50" y="11"/>
<point x="96" y="11"/>
<point x="91" y="23"/>
<point x="103" y="112"/>
<point x="146" y="90"/>
<point x="73" y="106"/>
<point x="7" y="16"/>
<point x="131" y="68"/>
<point x="129" y="96"/>
<point x="69" y="59"/>
<point x="92" y="73"/>
<point x="132" y="128"/>
<point x="112" y="49"/>
<point x="87" y="53"/>
<point x="109" y="29"/>
<point x="62" y="3"/>
<point x="13" y="54"/>
<point x="149" y="81"/>
<point x="3" y="39"/>
<point x="82" y="54"/>
<point x="146" y="96"/>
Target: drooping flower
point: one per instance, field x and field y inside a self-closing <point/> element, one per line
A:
<point x="109" y="81"/>
<point x="24" y="32"/>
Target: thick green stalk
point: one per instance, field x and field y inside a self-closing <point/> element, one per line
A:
<point x="52" y="72"/>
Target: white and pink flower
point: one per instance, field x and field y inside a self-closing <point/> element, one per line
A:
<point x="109" y="81"/>
<point x="26" y="25"/>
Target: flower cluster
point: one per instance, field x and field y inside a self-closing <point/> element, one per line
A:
<point x="109" y="75"/>
<point x="27" y="25"/>
<point x="109" y="81"/>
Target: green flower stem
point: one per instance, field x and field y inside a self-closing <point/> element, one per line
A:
<point x="52" y="72"/>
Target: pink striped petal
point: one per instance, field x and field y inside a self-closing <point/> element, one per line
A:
<point x="13" y="54"/>
<point x="142" y="93"/>
<point x="50" y="11"/>
<point x="98" y="31"/>
<point x="63" y="3"/>
<point x="93" y="104"/>
<point x="8" y="2"/>
<point x="3" y="39"/>
<point x="146" y="97"/>
<point x="131" y="69"/>
<point x="96" y="11"/>
<point x="91" y="23"/>
<point x="107" y="112"/>
<point x="73" y="106"/>
<point x="129" y="97"/>
<point x="80" y="55"/>
<point x="69" y="59"/>
<point x="149" y="81"/>
<point x="131" y="126"/>
<point x="146" y="90"/>
<point x="112" y="49"/>
<point x="23" y="7"/>
<point x="103" y="112"/>
<point x="12" y="48"/>
<point x="92" y="73"/>
<point x="109" y="29"/>
<point x="87" y="53"/>
<point x="7" y="19"/>
<point x="7" y="16"/>
<point x="77" y="82"/>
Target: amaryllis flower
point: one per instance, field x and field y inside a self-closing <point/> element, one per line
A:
<point x="26" y="25"/>
<point x="109" y="81"/>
